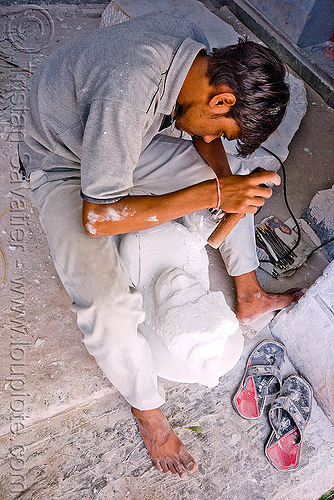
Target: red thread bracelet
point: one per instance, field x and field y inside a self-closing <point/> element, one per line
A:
<point x="219" y="197"/>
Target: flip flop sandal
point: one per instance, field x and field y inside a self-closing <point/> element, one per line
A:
<point x="288" y="416"/>
<point x="262" y="378"/>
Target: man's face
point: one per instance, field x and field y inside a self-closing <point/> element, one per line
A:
<point x="202" y="122"/>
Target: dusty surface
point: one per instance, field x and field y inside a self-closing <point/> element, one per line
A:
<point x="314" y="341"/>
<point x="65" y="432"/>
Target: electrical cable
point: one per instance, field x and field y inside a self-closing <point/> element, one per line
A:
<point x="286" y="200"/>
<point x="16" y="65"/>
<point x="322" y="245"/>
<point x="290" y="211"/>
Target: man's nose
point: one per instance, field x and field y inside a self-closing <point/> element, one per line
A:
<point x="209" y="138"/>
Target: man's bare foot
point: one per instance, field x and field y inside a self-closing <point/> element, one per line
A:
<point x="166" y="450"/>
<point x="253" y="301"/>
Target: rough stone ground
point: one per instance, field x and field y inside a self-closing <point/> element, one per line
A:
<point x="65" y="432"/>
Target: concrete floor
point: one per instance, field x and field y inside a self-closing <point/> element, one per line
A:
<point x="72" y="436"/>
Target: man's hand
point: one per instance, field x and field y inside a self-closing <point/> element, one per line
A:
<point x="245" y="193"/>
<point x="239" y="193"/>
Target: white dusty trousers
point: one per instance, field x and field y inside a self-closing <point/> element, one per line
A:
<point x="108" y="312"/>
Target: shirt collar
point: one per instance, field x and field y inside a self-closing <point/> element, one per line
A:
<point x="177" y="72"/>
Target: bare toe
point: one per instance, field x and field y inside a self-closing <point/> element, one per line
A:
<point x="188" y="461"/>
<point x="158" y="465"/>
<point x="164" y="467"/>
<point x="296" y="292"/>
<point x="181" y="471"/>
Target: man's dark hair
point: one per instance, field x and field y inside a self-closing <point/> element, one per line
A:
<point x="256" y="76"/>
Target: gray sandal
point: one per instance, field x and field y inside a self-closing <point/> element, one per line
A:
<point x="288" y="416"/>
<point x="262" y="378"/>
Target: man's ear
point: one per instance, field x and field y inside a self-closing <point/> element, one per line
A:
<point x="221" y="103"/>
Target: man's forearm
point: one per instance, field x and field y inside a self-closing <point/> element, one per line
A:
<point x="239" y="194"/>
<point x="214" y="154"/>
<point x="135" y="213"/>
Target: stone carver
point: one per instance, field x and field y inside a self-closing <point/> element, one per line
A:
<point x="98" y="167"/>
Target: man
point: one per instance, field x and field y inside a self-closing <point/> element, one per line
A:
<point x="97" y="168"/>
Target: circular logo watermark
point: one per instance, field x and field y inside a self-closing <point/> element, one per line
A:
<point x="30" y="29"/>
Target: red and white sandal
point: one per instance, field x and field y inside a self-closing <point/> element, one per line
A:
<point x="262" y="378"/>
<point x="288" y="416"/>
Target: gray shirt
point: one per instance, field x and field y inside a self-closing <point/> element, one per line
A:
<point x="98" y="101"/>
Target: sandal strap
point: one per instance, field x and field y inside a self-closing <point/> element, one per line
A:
<point x="285" y="403"/>
<point x="265" y="370"/>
